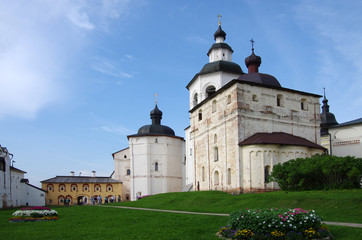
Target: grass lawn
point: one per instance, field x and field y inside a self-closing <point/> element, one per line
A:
<point x="91" y="222"/>
<point x="335" y="205"/>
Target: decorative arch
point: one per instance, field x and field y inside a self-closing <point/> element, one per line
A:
<point x="216" y="178"/>
<point x="62" y="187"/>
<point x="280" y="100"/>
<point x="74" y="187"/>
<point x="85" y="187"/>
<point x="229" y="99"/>
<point x="97" y="188"/>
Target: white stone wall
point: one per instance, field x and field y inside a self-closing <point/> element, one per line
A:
<point x="145" y="152"/>
<point x="346" y="140"/>
<point x="18" y="194"/>
<point x="32" y="196"/>
<point x="121" y="165"/>
<point x="254" y="159"/>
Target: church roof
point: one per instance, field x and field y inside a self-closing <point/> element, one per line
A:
<point x="219" y="33"/>
<point x="219" y="45"/>
<point x="217" y="66"/>
<point x="279" y="138"/>
<point x="353" y="122"/>
<point x="261" y="78"/>
<point x="80" y="179"/>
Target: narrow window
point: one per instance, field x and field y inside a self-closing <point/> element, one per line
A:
<point x="128" y="172"/>
<point x="229" y="176"/>
<point x="203" y="173"/>
<point x="216" y="154"/>
<point x="215" y="139"/>
<point x="2" y="164"/>
<point x="229" y="99"/>
<point x="303" y="104"/>
<point x="266" y="173"/>
<point x="200" y="115"/>
<point x="280" y="100"/>
<point x="156" y="166"/>
<point x="196" y="99"/>
<point x="125" y="156"/>
<point x="214" y="106"/>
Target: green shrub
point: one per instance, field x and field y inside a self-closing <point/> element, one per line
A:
<point x="318" y="172"/>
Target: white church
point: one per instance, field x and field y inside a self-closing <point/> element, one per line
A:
<point x="241" y="125"/>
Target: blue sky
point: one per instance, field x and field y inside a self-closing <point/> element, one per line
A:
<point x="77" y="77"/>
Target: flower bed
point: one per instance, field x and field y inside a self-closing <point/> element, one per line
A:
<point x="274" y="224"/>
<point x="34" y="214"/>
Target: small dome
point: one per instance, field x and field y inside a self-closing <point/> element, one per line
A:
<point x="253" y="59"/>
<point x="327" y="118"/>
<point x="219" y="33"/>
<point x="260" y="78"/>
<point x="156" y="128"/>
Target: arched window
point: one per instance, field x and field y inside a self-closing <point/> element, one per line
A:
<point x="196" y="99"/>
<point x="216" y="154"/>
<point x="200" y="115"/>
<point x="156" y="166"/>
<point x="74" y="187"/>
<point x="203" y="174"/>
<point x="97" y="188"/>
<point x="229" y="99"/>
<point x="304" y="104"/>
<point x="61" y="199"/>
<point x="62" y="188"/>
<point x="50" y="187"/>
<point x="85" y="187"/>
<point x="266" y="173"/>
<point x="128" y="172"/>
<point x="210" y="90"/>
<point x="216" y="178"/>
<point x="214" y="106"/>
<point x="229" y="176"/>
<point x="109" y="188"/>
<point x="125" y="156"/>
<point x="280" y="100"/>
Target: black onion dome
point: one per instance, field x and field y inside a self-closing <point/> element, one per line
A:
<point x="219" y="33"/>
<point x="253" y="59"/>
<point x="260" y="78"/>
<point x="221" y="65"/>
<point x="156" y="128"/>
<point x="327" y="118"/>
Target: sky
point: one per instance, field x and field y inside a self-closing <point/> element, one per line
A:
<point x="77" y="76"/>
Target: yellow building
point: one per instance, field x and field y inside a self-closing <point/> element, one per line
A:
<point x="81" y="189"/>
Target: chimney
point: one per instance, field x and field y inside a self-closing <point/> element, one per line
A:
<point x="93" y="173"/>
<point x="72" y="174"/>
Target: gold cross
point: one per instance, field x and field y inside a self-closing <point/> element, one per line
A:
<point x="156" y="97"/>
<point x="219" y="16"/>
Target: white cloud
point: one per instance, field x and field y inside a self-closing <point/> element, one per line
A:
<point x="120" y="130"/>
<point x="110" y="68"/>
<point x="38" y="40"/>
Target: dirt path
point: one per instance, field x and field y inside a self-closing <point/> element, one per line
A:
<point x="358" y="225"/>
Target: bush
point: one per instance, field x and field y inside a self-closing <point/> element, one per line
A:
<point x="274" y="224"/>
<point x="318" y="172"/>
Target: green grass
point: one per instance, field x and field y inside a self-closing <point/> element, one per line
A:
<point x="335" y="205"/>
<point x="90" y="222"/>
